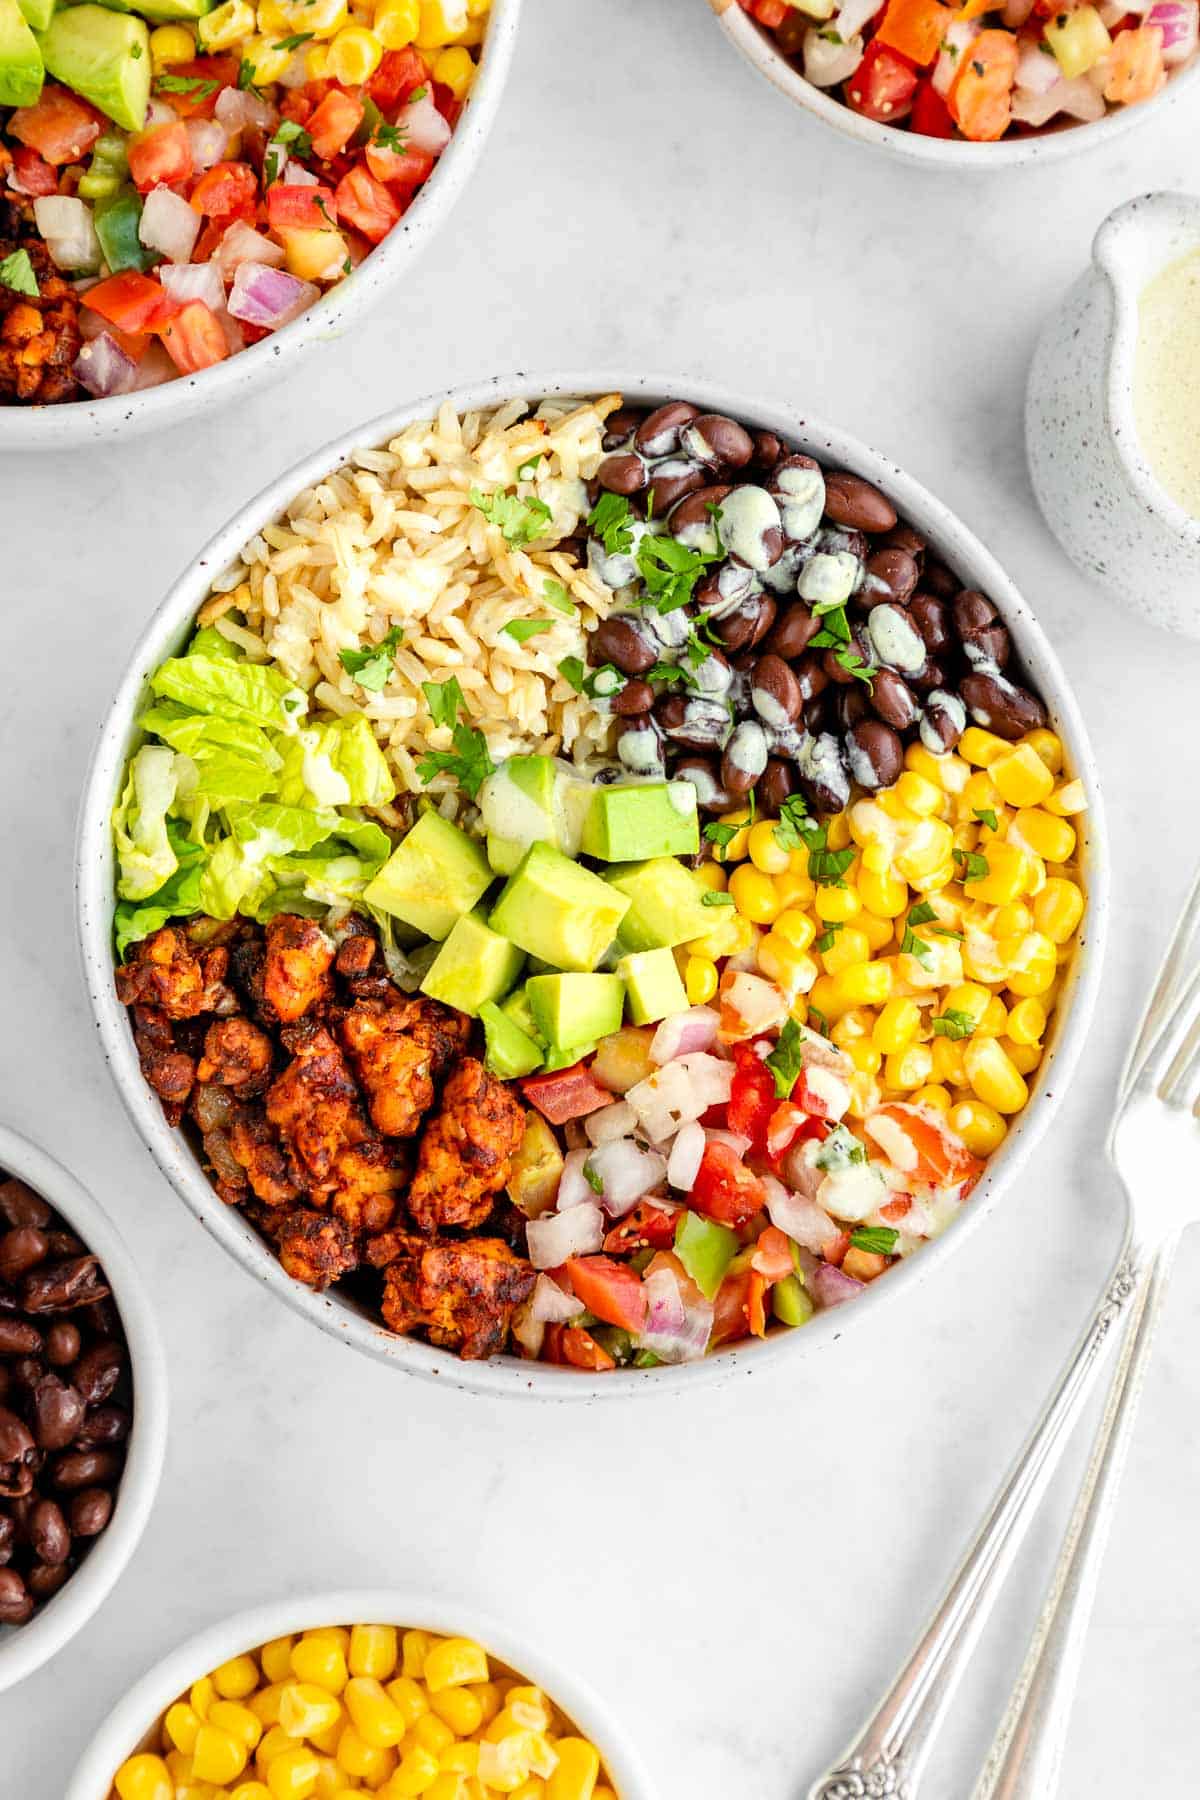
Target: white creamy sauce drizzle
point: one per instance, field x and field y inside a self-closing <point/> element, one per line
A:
<point x="827" y="579"/>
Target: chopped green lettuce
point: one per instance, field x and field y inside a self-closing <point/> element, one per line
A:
<point x="144" y="851"/>
<point x="192" y="732"/>
<point x="178" y="897"/>
<point x="208" y="641"/>
<point x="337" y="764"/>
<point x="249" y="692"/>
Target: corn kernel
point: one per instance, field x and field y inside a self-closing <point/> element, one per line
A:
<point x="1027" y="1021"/>
<point x="1023" y="1057"/>
<point x="1033" y="964"/>
<point x="795" y="928"/>
<point x="935" y="1095"/>
<point x="980" y="1127"/>
<point x="993" y="1076"/>
<point x="878" y="932"/>
<point x="823" y="996"/>
<point x="251" y="1790"/>
<point x="854" y="1027"/>
<point x="226" y="25"/>
<point x="201" y="1695"/>
<point x="1050" y="838"/>
<point x="1049" y="747"/>
<point x="533" y="1789"/>
<point x="968" y="997"/>
<point x="218" y="1756"/>
<point x="909" y="1068"/>
<point x="925" y="851"/>
<point x="948" y="1064"/>
<point x="843" y="948"/>
<point x="144" y="1778"/>
<point x="376" y="1716"/>
<point x="882" y="892"/>
<point x="754" y="895"/>
<point x="293" y="1774"/>
<point x="836" y="905"/>
<point x="712" y="875"/>
<point x="373" y="1651"/>
<point x="897" y="1025"/>
<point x="237" y="1720"/>
<point x="453" y="1662"/>
<point x="923" y="762"/>
<point x="441" y="21"/>
<point x="276" y="1658"/>
<point x="1068" y="800"/>
<point x="397" y="22"/>
<point x="462" y="1757"/>
<point x="865" y="1057"/>
<point x="417" y="1773"/>
<point x="273" y="1743"/>
<point x="994" y="1020"/>
<point x="577" y="1771"/>
<point x="459" y="1708"/>
<point x="320" y="1661"/>
<point x="766" y="853"/>
<point x="170" y="44"/>
<point x="700" y="979"/>
<point x="370" y="1762"/>
<point x="266" y="58"/>
<point x="1009" y="872"/>
<point x="305" y="1708"/>
<point x="265" y="1704"/>
<point x="981" y="747"/>
<point x="864" y="983"/>
<point x="331" y="1781"/>
<point x="1058" y="909"/>
<point x="795" y="887"/>
<point x="455" y="69"/>
<point x="919" y="794"/>
<point x="181" y="1725"/>
<point x="354" y="55"/>
<point x="738" y="846"/>
<point x="1021" y="777"/>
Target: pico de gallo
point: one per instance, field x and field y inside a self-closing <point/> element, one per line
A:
<point x="174" y="189"/>
<point x="983" y="72"/>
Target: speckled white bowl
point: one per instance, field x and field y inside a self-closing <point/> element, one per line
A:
<point x="759" y="49"/>
<point x="82" y="422"/>
<point x="170" y="627"/>
<point x="128" y="1725"/>
<point x="25" y="1648"/>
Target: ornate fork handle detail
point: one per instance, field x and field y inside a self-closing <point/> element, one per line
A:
<point x="889" y="1755"/>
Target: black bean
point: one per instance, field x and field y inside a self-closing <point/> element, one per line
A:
<point x="736" y="630"/>
<point x="930" y="617"/>
<point x="103" y="1425"/>
<point x="767" y="448"/>
<point x="85" y="1468"/>
<point x="849" y="500"/>
<point x="18" y="1337"/>
<point x="893" y="700"/>
<point x="45" y="1579"/>
<point x="60" y="1287"/>
<point x="89" y="1511"/>
<point x="767" y="608"/>
<point x="619" y="427"/>
<point x="692" y="512"/>
<point x="713" y="439"/>
<point x="62" y="1344"/>
<point x="19" y="1205"/>
<point x="705" y="776"/>
<point x="810" y="673"/>
<point x="21" y="1249"/>
<point x="1001" y="706"/>
<point x="658" y="433"/>
<point x="624" y="643"/>
<point x="16" y="1602"/>
<point x="8" y="1536"/>
<point x="891" y="575"/>
<point x="58" y="1411"/>
<point x="933" y="675"/>
<point x="669" y="481"/>
<point x="777" y="785"/>
<point x="48" y="1533"/>
<point x="876" y="754"/>
<point x="745" y="758"/>
<point x="903" y="537"/>
<point x="774" y="692"/>
<point x="98" y="1370"/>
<point x="624" y="473"/>
<point x="635" y="697"/>
<point x="944" y="719"/>
<point x="850" y="704"/>
<point x="792" y="632"/>
<point x="937" y="578"/>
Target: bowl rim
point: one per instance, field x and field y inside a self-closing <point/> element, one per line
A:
<point x="134" y="1714"/>
<point x="755" y="45"/>
<point x="80" y="422"/>
<point x="26" y="1647"/>
<point x="166" y="629"/>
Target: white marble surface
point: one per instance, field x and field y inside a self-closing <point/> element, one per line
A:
<point x="741" y="1573"/>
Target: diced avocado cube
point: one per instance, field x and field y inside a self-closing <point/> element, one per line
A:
<point x="517" y="1008"/>
<point x="163" y="9"/>
<point x="517" y="805"/>
<point x="434" y="876"/>
<point x="566" y="1059"/>
<point x="473" y="966"/>
<point x="575" y="1009"/>
<point x="555" y="909"/>
<point x="654" y="985"/>
<point x="21" y="68"/>
<point x="509" y="1052"/>
<point x="104" y="56"/>
<point x="38" y="13"/>
<point x="641" y="818"/>
<point x="666" y="904"/>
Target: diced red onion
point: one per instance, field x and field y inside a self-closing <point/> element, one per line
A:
<point x="679" y="1091"/>
<point x="154" y="368"/>
<point x="817" y="1052"/>
<point x="208" y="138"/>
<point x="829" y="1286"/>
<point x="800" y="1170"/>
<point x="103" y="368"/>
<point x="798" y="1216"/>
<point x="70" y="236"/>
<point x="732" y="1139"/>
<point x="234" y="336"/>
<point x="557" y="1236"/>
<point x="296" y="73"/>
<point x="1080" y="98"/>
<point x="683" y="1032"/>
<point x="241" y="243"/>
<point x="683" y="1164"/>
<point x="423" y="126"/>
<point x="826" y="64"/>
<point x="194" y="281"/>
<point x="759" y="1003"/>
<point x="574" y="1189"/>
<point x="674" y="1331"/>
<point x="1037" y="72"/>
<point x="959" y="34"/>
<point x="824" y="1087"/>
<point x="269" y="297"/>
<point x="1016" y="12"/>
<point x="616" y="1121"/>
<point x="627" y="1172"/>
<point x="852" y="15"/>
<point x="236" y="107"/>
<point x="529" y="1332"/>
<point x="296" y="175"/>
<point x="550" y="1304"/>
<point x="1179" y="22"/>
<point x="169" y="224"/>
<point x="160" y="112"/>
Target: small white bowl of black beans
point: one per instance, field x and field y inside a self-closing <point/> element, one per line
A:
<point x="83" y="1407"/>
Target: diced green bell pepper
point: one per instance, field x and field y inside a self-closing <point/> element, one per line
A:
<point x="790" y="1302"/>
<point x="705" y="1250"/>
<point x="617" y="1342"/>
<point x="117" y="222"/>
<point x="108" y="168"/>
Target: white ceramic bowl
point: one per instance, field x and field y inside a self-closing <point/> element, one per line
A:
<point x="165" y="635"/>
<point x="132" y="1718"/>
<point x="759" y="48"/>
<point x="82" y="422"/>
<point x="25" y="1648"/>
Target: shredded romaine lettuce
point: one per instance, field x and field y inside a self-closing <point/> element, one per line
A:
<point x="140" y="823"/>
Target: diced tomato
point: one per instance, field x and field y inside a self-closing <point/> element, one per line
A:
<point x="783" y="1127"/>
<point x="34" y="174"/>
<point x="769" y="12"/>
<point x="572" y="1344"/>
<point x="366" y="204"/>
<point x="980" y="97"/>
<point x="835" y="1251"/>
<point x="883" y="85"/>
<point x="193" y="339"/>
<point x="405" y="169"/>
<point x="447" y="103"/>
<point x="291" y="203"/>
<point x="751" y="1100"/>
<point x="645" y="1228"/>
<point x="609" y="1289"/>
<point x="133" y="302"/>
<point x="667" y="1259"/>
<point x="772" y="1258"/>
<point x="930" y="114"/>
<point x="160" y="157"/>
<point x="228" y="188"/>
<point x="895" y="1210"/>
<point x="731" y="1309"/>
<point x="925" y="1149"/>
<point x="299" y="104"/>
<point x="915" y="28"/>
<point x="725" y="1189"/>
<point x="566" y="1094"/>
<point x="399" y="72"/>
<point x="1136" y="68"/>
<point x="59" y="125"/>
<point x="210" y="74"/>
<point x="821" y="1093"/>
<point x="334" y="123"/>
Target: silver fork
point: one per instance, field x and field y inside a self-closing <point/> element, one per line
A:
<point x="888" y="1757"/>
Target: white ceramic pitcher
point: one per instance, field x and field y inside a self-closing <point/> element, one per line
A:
<point x="1092" y="482"/>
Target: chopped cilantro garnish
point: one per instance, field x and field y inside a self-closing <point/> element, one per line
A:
<point x="389" y="137"/>
<point x="650" y="504"/>
<point x="518" y="521"/>
<point x="972" y="866"/>
<point x="194" y="85"/>
<point x="445" y="698"/>
<point x="786" y="1060"/>
<point x="792" y="816"/>
<point x="246" y="76"/>
<point x="609" y="520"/>
<point x="720" y="834"/>
<point x="922" y="914"/>
<point x="826" y="867"/>
<point x="294" y="42"/>
<point x="715" y="897"/>
<point x="911" y="944"/>
<point x="953" y="1024"/>
<point x="521" y="630"/>
<point x="594" y="1181"/>
<point x="835" y="629"/>
<point x="987" y="817"/>
<point x="372" y="667"/>
<point x="825" y="941"/>
<point x="831" y="37"/>
<point x="572" y="670"/>
<point x="527" y="469"/>
<point x="16" y="273"/>
<point x="667" y="675"/>
<point x="556" y="595"/>
<point x="289" y="132"/>
<point x="879" y="1239"/>
<point x="854" y="665"/>
<point x="817" y="1021"/>
<point x="670" y="571"/>
<point x="469" y="762"/>
<point x="417" y="94"/>
<point x="347" y="266"/>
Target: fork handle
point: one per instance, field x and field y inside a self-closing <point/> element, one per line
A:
<point x="1026" y="1755"/>
<point x="891" y="1751"/>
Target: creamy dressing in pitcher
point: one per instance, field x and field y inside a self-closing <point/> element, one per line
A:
<point x="1166" y="396"/>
